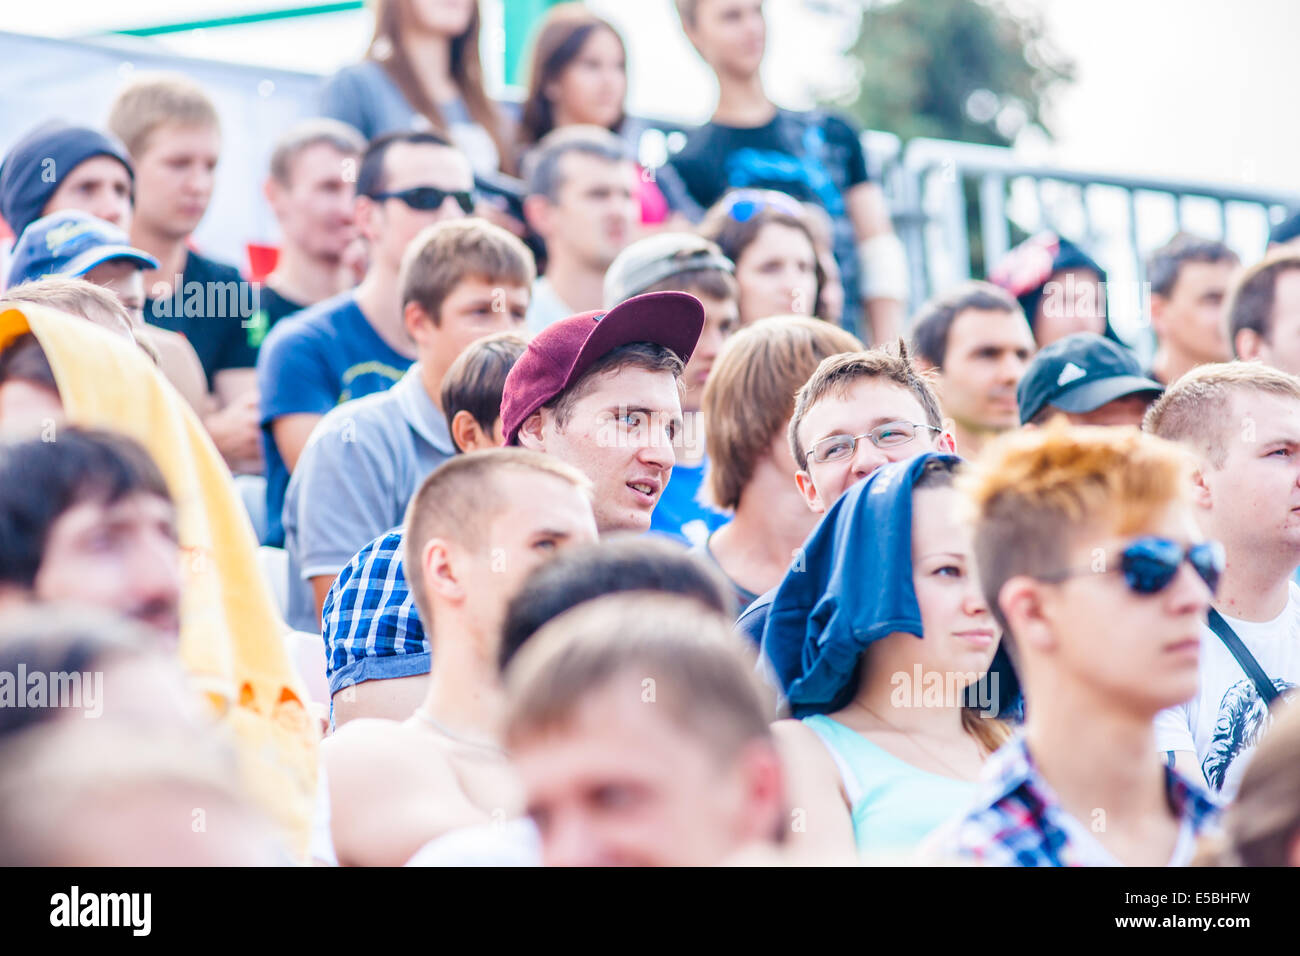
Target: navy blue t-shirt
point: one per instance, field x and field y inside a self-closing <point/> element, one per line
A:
<point x="813" y="156"/>
<point x="309" y="363"/>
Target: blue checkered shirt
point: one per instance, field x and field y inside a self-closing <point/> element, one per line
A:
<point x="370" y="626"/>
<point x="1017" y="819"/>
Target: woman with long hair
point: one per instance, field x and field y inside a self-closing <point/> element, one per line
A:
<point x="422" y="69"/>
<point x="577" y="76"/>
<point x="888" y="673"/>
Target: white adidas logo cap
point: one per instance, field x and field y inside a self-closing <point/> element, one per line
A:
<point x="1071" y="373"/>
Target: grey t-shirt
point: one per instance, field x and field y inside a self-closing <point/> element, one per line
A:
<point x="545" y="307"/>
<point x="365" y="96"/>
<point x="362" y="464"/>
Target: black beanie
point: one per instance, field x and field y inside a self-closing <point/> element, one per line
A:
<point x="41" y="160"/>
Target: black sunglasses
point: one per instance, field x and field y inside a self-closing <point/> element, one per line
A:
<point x="1149" y="564"/>
<point x="428" y="198"/>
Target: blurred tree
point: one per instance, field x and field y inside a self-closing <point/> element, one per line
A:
<point x="970" y="70"/>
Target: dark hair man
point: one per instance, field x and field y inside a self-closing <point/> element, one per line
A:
<point x="356" y="343"/>
<point x="1264" y="312"/>
<point x="978" y="343"/>
<point x="1189" y="278"/>
<point x="583" y="200"/>
<point x="88" y="518"/>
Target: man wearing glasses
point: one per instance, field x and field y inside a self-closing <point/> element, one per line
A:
<point x="858" y="411"/>
<point x="356" y="343"/>
<point x="1090" y="560"/>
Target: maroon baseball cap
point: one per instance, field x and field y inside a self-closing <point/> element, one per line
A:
<point x="560" y="354"/>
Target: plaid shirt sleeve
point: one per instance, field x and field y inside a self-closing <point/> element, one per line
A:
<point x="370" y="626"/>
<point x="1017" y="819"/>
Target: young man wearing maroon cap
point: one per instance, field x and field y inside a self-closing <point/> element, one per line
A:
<point x="599" y="391"/>
<point x="602" y="392"/>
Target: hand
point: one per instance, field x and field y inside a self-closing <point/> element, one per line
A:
<point x="236" y="433"/>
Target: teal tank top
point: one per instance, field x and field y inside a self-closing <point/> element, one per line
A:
<point x="894" y="805"/>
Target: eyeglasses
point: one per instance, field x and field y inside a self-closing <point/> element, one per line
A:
<point x="428" y="198"/>
<point x="888" y="435"/>
<point x="744" y="204"/>
<point x="1149" y="564"/>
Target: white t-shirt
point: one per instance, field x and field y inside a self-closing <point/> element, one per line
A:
<point x="1224" y="721"/>
<point x="510" y="843"/>
<point x="321" y="847"/>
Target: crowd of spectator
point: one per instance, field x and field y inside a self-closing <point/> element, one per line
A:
<point x="383" y="557"/>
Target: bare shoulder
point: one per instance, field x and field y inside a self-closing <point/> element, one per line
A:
<point x="391" y="789"/>
<point x="803" y="751"/>
<point x="370" y="745"/>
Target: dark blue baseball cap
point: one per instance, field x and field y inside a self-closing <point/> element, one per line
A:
<point x="71" y="243"/>
<point x="1080" y="373"/>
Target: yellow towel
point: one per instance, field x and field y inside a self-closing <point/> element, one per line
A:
<point x="232" y="636"/>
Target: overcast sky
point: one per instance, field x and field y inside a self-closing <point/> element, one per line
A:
<point x="1189" y="88"/>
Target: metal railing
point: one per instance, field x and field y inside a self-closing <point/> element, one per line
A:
<point x="932" y="186"/>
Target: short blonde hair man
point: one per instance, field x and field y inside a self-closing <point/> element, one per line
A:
<point x="152" y="100"/>
<point x="649" y="696"/>
<point x="1241" y="421"/>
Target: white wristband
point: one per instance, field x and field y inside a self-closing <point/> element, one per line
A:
<point x="884" y="268"/>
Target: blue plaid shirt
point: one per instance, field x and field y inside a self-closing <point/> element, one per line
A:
<point x="1017" y="819"/>
<point x="370" y="626"/>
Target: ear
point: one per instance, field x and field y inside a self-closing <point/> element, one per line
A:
<point x="532" y="434"/>
<point x="438" y="573"/>
<point x="368" y="215"/>
<point x="468" y="434"/>
<point x="1249" y="344"/>
<point x="1021" y="601"/>
<point x="804" y="482"/>
<point x="946" y="443"/>
<point x="762" y="777"/>
<point x="416" y="321"/>
<point x="271" y="190"/>
<point x="1158" y="303"/>
<point x="1202" y="496"/>
<point x="537" y="213"/>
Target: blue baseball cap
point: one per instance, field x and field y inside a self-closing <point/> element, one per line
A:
<point x="71" y="243"/>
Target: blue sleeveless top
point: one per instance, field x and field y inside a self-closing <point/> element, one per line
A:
<point x="893" y="804"/>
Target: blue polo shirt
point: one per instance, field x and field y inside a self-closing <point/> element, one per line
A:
<point x="362" y="465"/>
<point x="310" y="362"/>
